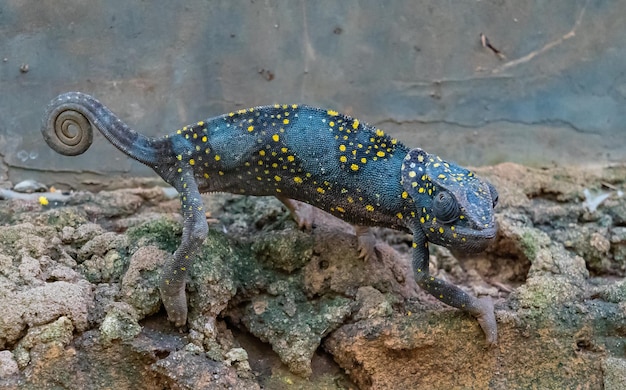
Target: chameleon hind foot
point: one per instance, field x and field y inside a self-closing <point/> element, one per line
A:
<point x="301" y="212"/>
<point x="366" y="243"/>
<point x="175" y="303"/>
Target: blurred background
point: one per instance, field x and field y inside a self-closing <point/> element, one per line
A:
<point x="478" y="82"/>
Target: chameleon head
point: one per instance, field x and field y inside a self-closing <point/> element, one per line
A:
<point x="455" y="208"/>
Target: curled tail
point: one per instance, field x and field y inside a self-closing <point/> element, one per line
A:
<point x="67" y="128"/>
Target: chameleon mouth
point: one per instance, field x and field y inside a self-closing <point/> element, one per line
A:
<point x="476" y="240"/>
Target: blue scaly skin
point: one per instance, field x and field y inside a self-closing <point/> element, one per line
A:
<point x="319" y="157"/>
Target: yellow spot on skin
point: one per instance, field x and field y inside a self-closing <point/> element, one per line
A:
<point x="204" y="139"/>
<point x="179" y="131"/>
<point x="354" y="167"/>
<point x="399" y="215"/>
<point x="192" y="162"/>
<point x="441" y="230"/>
<point x="369" y="207"/>
<point x="415" y="246"/>
<point x="320" y="190"/>
<point x="290" y="158"/>
<point x="277" y="178"/>
<point x="206" y="175"/>
<point x="261" y="152"/>
<point x="379" y="132"/>
<point x="331" y="123"/>
<point x="43" y="201"/>
<point x="179" y="157"/>
<point x="412" y="174"/>
<point x="405" y="195"/>
<point x="350" y="199"/>
<point x="217" y="157"/>
<point x="341" y="209"/>
<point x="355" y="124"/>
<point x="421" y="190"/>
<point x="275" y="137"/>
<point x="332" y="113"/>
<point x="420" y="158"/>
<point x="422" y="220"/>
<point x="297" y="179"/>
<point x="231" y="114"/>
<point x="441" y="176"/>
<point x="343" y="159"/>
<point x="250" y="128"/>
<point x="380" y="153"/>
<point x="285" y="121"/>
<point x="342" y="148"/>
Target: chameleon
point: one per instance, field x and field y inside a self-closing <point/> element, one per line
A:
<point x="299" y="153"/>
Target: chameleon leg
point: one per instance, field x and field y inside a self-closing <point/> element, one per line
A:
<point x="195" y="230"/>
<point x="302" y="213"/>
<point x="448" y="293"/>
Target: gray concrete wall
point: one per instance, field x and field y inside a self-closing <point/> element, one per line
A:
<point x="414" y="68"/>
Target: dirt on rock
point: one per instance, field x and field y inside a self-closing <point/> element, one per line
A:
<point x="272" y="306"/>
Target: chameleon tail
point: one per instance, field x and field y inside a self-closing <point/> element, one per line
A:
<point x="67" y="128"/>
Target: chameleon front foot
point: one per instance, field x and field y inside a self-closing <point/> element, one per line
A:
<point x="485" y="315"/>
<point x="175" y="302"/>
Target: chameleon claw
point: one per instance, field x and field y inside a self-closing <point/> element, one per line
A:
<point x="366" y="243"/>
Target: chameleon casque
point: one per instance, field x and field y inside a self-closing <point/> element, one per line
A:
<point x="320" y="157"/>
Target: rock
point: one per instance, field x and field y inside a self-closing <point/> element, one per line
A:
<point x="120" y="323"/>
<point x="8" y="365"/>
<point x="614" y="373"/>
<point x="29" y="186"/>
<point x="81" y="308"/>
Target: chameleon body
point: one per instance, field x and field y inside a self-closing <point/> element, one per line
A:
<point x="320" y="157"/>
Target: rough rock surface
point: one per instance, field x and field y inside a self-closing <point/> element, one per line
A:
<point x="80" y="305"/>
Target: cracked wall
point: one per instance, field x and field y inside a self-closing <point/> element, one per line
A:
<point x="417" y="70"/>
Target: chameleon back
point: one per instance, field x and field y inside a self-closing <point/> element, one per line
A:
<point x="321" y="157"/>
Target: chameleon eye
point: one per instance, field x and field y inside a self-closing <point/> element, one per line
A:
<point x="445" y="207"/>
